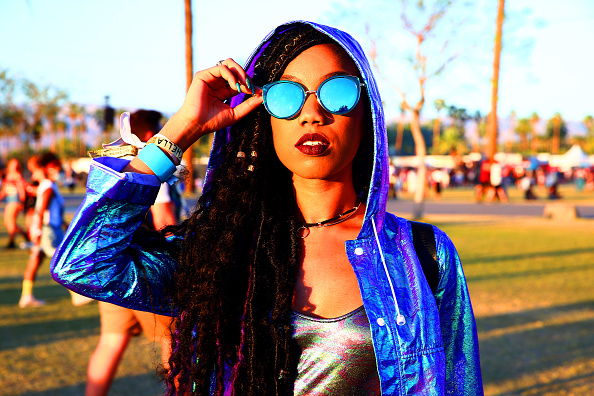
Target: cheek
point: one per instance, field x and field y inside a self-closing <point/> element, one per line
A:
<point x="356" y="126"/>
<point x="280" y="140"/>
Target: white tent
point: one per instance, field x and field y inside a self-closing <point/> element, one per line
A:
<point x="573" y="158"/>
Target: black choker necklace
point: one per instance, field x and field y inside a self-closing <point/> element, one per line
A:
<point x="303" y="231"/>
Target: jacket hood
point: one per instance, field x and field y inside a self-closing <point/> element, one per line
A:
<point x="378" y="187"/>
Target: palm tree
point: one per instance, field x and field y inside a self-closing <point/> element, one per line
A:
<point x="589" y="140"/>
<point x="557" y="123"/>
<point x="439" y="105"/>
<point x="589" y="124"/>
<point x="74" y="112"/>
<point x="82" y="122"/>
<point x="523" y="130"/>
<point x="492" y="126"/>
<point x="534" y="120"/>
<point x="51" y="109"/>
<point x="12" y="117"/>
<point x="34" y="124"/>
<point x="188" y="155"/>
<point x="44" y="106"/>
<point x="479" y="120"/>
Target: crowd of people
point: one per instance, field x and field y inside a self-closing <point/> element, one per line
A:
<point x="42" y="204"/>
<point x="491" y="180"/>
<point x="39" y="199"/>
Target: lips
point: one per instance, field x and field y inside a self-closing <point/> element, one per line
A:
<point x="312" y="144"/>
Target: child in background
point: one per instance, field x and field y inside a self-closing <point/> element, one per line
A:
<point x="46" y="228"/>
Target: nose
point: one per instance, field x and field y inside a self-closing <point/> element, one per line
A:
<point x="311" y="112"/>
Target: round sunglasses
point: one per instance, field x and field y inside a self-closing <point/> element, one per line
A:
<point x="337" y="95"/>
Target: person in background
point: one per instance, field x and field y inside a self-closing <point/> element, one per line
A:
<point x="496" y="183"/>
<point x="46" y="227"/>
<point x="14" y="192"/>
<point x="69" y="176"/>
<point x="552" y="184"/>
<point x="483" y="180"/>
<point x="119" y="324"/>
<point x="527" y="184"/>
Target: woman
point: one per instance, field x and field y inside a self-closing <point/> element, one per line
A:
<point x="13" y="190"/>
<point x="289" y="277"/>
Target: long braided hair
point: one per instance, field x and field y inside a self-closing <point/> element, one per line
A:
<point x="239" y="258"/>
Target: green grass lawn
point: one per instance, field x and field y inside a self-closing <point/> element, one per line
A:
<point x="531" y="286"/>
<point x="45" y="351"/>
<point x="530" y="282"/>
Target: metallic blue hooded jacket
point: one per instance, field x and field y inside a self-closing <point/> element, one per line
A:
<point x="431" y="349"/>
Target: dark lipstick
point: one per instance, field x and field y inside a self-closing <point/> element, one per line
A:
<point x="312" y="144"/>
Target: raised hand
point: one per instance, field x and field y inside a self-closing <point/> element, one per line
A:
<point x="204" y="109"/>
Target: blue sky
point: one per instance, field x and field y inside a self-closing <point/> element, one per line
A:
<point x="133" y="50"/>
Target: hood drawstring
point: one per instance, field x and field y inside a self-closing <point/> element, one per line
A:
<point x="400" y="320"/>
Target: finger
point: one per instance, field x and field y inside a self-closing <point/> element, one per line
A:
<point x="237" y="71"/>
<point x="241" y="77"/>
<point x="247" y="106"/>
<point x="230" y="80"/>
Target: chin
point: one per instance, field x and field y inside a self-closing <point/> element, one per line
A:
<point x="317" y="172"/>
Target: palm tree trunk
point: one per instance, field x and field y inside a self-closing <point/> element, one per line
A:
<point x="556" y="135"/>
<point x="436" y="133"/>
<point x="83" y="136"/>
<point x="188" y="155"/>
<point x="492" y="120"/>
<point x="534" y="141"/>
<point x="524" y="138"/>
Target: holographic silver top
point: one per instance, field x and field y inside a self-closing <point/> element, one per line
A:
<point x="337" y="356"/>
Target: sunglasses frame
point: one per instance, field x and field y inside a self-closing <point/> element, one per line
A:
<point x="306" y="93"/>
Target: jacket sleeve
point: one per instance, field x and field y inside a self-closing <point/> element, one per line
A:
<point x="98" y="258"/>
<point x="458" y="327"/>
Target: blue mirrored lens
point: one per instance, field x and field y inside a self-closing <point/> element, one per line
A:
<point x="284" y="100"/>
<point x="339" y="95"/>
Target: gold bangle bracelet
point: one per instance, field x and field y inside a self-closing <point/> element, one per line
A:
<point x="116" y="152"/>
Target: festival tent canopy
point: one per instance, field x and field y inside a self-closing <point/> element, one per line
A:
<point x="573" y="158"/>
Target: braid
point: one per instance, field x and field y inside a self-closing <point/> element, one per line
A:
<point x="239" y="258"/>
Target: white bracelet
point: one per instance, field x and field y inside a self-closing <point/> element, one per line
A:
<point x="174" y="151"/>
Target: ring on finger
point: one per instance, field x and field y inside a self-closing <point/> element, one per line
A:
<point x="219" y="63"/>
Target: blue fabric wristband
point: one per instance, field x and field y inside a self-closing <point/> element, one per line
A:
<point x="157" y="161"/>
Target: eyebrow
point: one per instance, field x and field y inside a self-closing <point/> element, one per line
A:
<point x="324" y="77"/>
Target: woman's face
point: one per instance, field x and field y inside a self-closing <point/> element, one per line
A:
<point x="317" y="144"/>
